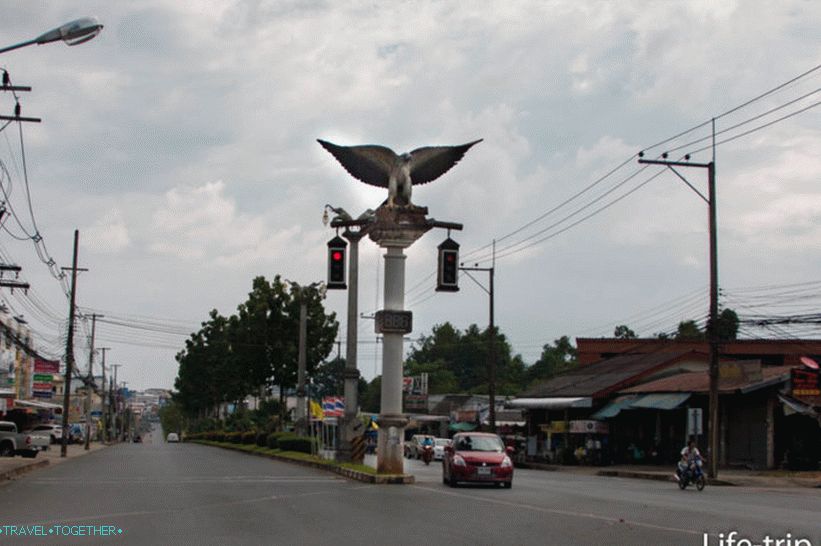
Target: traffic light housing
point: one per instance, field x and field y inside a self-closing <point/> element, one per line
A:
<point x="447" y="278"/>
<point x="337" y="248"/>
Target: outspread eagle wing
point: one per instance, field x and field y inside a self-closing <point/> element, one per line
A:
<point x="429" y="163"/>
<point x="371" y="164"/>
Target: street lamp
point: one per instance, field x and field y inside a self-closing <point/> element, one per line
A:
<point x="73" y="33"/>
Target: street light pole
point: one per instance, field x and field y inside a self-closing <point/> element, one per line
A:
<point x="73" y="33"/>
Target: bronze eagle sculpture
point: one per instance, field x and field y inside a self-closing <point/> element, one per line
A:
<point x="382" y="167"/>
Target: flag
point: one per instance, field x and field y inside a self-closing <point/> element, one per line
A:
<point x="333" y="406"/>
<point x="316" y="411"/>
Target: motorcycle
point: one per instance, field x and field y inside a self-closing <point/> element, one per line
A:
<point x="691" y="474"/>
<point x="427" y="454"/>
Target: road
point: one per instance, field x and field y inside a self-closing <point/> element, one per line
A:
<point x="160" y="493"/>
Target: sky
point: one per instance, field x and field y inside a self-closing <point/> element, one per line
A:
<point x="181" y="143"/>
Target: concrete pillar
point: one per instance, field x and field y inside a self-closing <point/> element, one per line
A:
<point x="392" y="422"/>
<point x="350" y="427"/>
<point x="301" y="400"/>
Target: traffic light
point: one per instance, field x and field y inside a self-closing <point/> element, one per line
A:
<point x="336" y="263"/>
<point x="447" y="279"/>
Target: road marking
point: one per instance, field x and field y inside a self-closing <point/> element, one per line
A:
<point x="560" y="512"/>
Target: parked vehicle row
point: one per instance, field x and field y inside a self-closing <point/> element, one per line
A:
<point x="15" y="443"/>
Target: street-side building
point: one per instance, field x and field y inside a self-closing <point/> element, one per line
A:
<point x="560" y="426"/>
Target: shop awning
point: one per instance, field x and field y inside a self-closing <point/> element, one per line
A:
<point x="614" y="408"/>
<point x="791" y="405"/>
<point x="550" y="403"/>
<point x="462" y="427"/>
<point x="38" y="405"/>
<point x="667" y="401"/>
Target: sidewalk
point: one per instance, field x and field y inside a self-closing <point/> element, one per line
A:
<point x="11" y="467"/>
<point x="747" y="478"/>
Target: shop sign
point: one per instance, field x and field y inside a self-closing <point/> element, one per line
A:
<point x="586" y="426"/>
<point x="555" y="427"/>
<point x="416" y="402"/>
<point x="805" y="382"/>
<point x="46" y="366"/>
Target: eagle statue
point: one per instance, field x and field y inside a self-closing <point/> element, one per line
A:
<point x="382" y="167"/>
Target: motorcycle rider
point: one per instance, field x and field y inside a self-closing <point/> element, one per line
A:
<point x="690" y="456"/>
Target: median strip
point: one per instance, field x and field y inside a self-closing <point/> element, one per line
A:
<point x="353" y="471"/>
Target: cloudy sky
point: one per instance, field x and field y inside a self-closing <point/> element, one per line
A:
<point x="181" y="142"/>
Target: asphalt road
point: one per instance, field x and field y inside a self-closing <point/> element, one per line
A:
<point x="160" y="493"/>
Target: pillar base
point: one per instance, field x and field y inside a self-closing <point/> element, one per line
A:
<point x="390" y="457"/>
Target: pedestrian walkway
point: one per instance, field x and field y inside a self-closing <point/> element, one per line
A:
<point x="11" y="467"/>
<point x="747" y="478"/>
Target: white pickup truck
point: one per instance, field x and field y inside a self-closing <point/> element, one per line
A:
<point x="14" y="443"/>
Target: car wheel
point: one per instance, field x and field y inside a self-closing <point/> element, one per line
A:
<point x="6" y="450"/>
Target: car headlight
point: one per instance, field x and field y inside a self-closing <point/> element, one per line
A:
<point x="458" y="461"/>
<point x="506" y="462"/>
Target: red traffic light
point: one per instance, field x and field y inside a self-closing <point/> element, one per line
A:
<point x="336" y="256"/>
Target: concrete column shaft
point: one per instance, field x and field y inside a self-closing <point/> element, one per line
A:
<point x="393" y="348"/>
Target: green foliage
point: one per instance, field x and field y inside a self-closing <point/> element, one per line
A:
<point x="231" y="357"/>
<point x="369" y="400"/>
<point x="622" y="331"/>
<point x="555" y="359"/>
<point x="171" y="418"/>
<point x="727" y="325"/>
<point x="689" y="330"/>
<point x="302" y="444"/>
<point x="457" y="361"/>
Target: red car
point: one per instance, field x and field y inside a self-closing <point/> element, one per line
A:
<point x="478" y="457"/>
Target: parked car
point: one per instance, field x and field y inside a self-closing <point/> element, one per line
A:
<point x="54" y="432"/>
<point x="439" y="445"/>
<point x="413" y="447"/>
<point x="477" y="457"/>
<point x="172" y="437"/>
<point x="14" y="443"/>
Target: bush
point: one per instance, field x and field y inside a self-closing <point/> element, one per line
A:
<point x="274" y="438"/>
<point x="262" y="439"/>
<point x="249" y="438"/>
<point x="302" y="444"/>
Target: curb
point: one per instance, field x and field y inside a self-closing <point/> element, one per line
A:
<point x="22" y="469"/>
<point x="402" y="479"/>
<point x="655" y="477"/>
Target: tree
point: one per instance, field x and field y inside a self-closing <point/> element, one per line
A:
<point x="458" y="361"/>
<point x="689" y="330"/>
<point x="371" y="398"/>
<point x="232" y="357"/>
<point x="622" y="331"/>
<point x="328" y="379"/>
<point x="555" y="359"/>
<point x="727" y="325"/>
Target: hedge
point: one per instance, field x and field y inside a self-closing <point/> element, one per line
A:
<point x="296" y="443"/>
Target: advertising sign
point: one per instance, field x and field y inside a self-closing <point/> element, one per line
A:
<point x="588" y="427"/>
<point x="46" y="366"/>
<point x="43" y="377"/>
<point x="417" y="402"/>
<point x="805" y="382"/>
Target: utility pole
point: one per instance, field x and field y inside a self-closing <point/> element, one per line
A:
<point x="491" y="365"/>
<point x="712" y="330"/>
<point x="114" y="406"/>
<point x="70" y="344"/>
<point x="104" y="400"/>
<point x="90" y="379"/>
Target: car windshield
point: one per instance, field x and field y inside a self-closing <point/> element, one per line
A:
<point x="442" y="441"/>
<point x="480" y="443"/>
